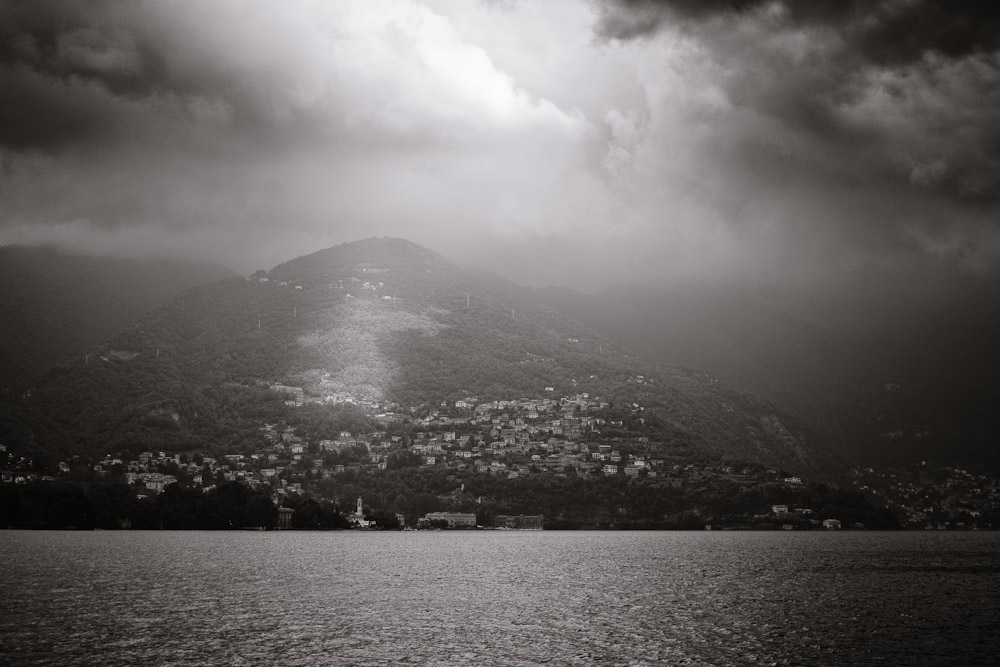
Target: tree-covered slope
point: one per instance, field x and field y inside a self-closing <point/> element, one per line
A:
<point x="389" y="325"/>
<point x="55" y="306"/>
<point x="912" y="390"/>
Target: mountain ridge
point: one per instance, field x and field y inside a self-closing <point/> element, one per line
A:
<point x="56" y="304"/>
<point x="892" y="399"/>
<point x="431" y="331"/>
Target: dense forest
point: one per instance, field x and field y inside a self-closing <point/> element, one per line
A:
<point x="114" y="505"/>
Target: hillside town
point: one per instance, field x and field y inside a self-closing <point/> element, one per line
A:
<point x="576" y="435"/>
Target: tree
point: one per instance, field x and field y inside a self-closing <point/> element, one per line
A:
<point x="261" y="512"/>
<point x="402" y="459"/>
<point x="310" y="514"/>
<point x="423" y="503"/>
<point x="231" y="500"/>
<point x="185" y="508"/>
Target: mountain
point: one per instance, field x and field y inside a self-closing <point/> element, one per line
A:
<point x="919" y="385"/>
<point x="392" y="326"/>
<point x="727" y="332"/>
<point x="55" y="305"/>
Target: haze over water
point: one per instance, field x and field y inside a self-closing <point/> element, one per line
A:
<point x="501" y="598"/>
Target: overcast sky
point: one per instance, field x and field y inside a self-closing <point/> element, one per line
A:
<point x="554" y="141"/>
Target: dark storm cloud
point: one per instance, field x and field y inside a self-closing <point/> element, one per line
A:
<point x="920" y="39"/>
<point x="45" y="117"/>
<point x="885" y="31"/>
<point x="68" y="40"/>
<point x="894" y="104"/>
<point x="50" y="104"/>
<point x="81" y="71"/>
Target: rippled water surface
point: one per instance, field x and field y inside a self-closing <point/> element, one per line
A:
<point x="499" y="598"/>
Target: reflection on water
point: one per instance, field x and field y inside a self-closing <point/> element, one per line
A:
<point x="498" y="598"/>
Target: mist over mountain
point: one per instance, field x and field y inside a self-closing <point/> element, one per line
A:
<point x="727" y="332"/>
<point x="55" y="305"/>
<point x="916" y="382"/>
<point x="387" y="325"/>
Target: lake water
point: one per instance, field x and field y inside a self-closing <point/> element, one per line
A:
<point x="499" y="598"/>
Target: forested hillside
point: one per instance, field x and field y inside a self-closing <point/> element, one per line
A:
<point x="55" y="306"/>
<point x="893" y="395"/>
<point x="383" y="324"/>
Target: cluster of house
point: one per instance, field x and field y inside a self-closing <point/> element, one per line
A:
<point x="152" y="472"/>
<point x="518" y="437"/>
<point x="788" y="515"/>
<point x="514" y="438"/>
<point x="296" y="397"/>
<point x="510" y="438"/>
<point x="935" y="498"/>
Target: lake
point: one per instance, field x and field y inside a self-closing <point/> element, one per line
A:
<point x="499" y="598"/>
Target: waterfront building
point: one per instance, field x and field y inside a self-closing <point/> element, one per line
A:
<point x="520" y="522"/>
<point x="454" y="519"/>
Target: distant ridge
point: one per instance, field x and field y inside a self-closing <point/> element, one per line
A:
<point x="55" y="305"/>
